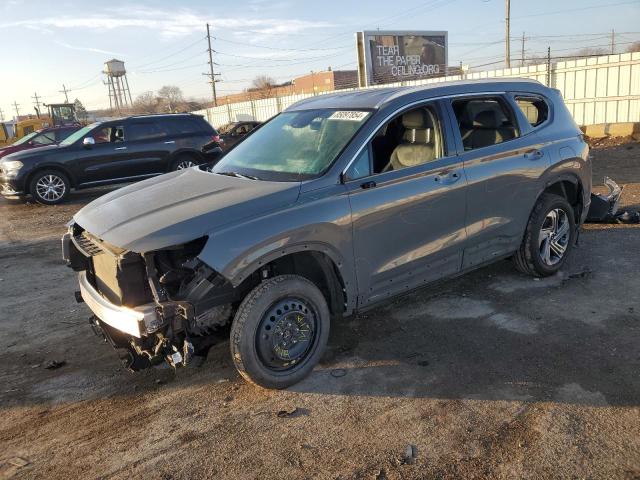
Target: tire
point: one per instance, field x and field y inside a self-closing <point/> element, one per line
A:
<point x="184" y="160"/>
<point x="547" y="243"/>
<point x="49" y="187"/>
<point x="269" y="347"/>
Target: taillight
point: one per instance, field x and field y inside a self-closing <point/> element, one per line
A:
<point x="216" y="138"/>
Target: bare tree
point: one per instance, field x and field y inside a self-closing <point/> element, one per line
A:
<point x="172" y="95"/>
<point x="591" y="51"/>
<point x="634" y="47"/>
<point x="146" y="103"/>
<point x="263" y="86"/>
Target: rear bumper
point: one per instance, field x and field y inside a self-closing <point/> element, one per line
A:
<point x="132" y="321"/>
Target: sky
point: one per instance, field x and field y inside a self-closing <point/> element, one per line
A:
<point x="47" y="44"/>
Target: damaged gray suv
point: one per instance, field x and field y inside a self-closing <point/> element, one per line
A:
<point x="339" y="203"/>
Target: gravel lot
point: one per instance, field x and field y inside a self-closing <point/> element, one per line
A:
<point x="492" y="375"/>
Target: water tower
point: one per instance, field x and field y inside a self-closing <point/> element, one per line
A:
<point x="119" y="93"/>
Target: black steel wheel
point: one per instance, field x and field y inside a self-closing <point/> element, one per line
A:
<point x="280" y="331"/>
<point x="286" y="333"/>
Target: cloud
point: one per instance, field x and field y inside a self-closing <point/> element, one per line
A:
<point x="89" y="49"/>
<point x="169" y="23"/>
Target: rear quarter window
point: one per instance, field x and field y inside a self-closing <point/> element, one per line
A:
<point x="535" y="109"/>
<point x="186" y="125"/>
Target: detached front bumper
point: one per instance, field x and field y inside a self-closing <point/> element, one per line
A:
<point x="132" y="321"/>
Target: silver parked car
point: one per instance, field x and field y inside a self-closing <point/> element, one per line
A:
<point x="339" y="203"/>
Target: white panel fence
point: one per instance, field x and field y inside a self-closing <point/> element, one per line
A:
<point x="602" y="89"/>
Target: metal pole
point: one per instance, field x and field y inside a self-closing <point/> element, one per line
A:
<point x="37" y="100"/>
<point x="128" y="90"/>
<point x="508" y="37"/>
<point x="548" y="66"/>
<point x="522" y="53"/>
<point x="613" y="41"/>
<point x="213" y="77"/>
<point x="64" y="90"/>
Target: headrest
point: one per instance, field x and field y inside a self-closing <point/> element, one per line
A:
<point x="416" y="119"/>
<point x="486" y="119"/>
<point x="414" y="135"/>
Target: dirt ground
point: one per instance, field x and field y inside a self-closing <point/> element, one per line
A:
<point x="492" y="375"/>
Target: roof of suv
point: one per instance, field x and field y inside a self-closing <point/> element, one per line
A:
<point x="377" y="97"/>
<point x="162" y="115"/>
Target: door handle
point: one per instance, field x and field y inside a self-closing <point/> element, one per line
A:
<point x="369" y="184"/>
<point x="535" y="155"/>
<point x="120" y="148"/>
<point x="447" y="177"/>
<point x="169" y="142"/>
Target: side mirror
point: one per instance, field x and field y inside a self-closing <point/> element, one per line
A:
<point x="88" y="142"/>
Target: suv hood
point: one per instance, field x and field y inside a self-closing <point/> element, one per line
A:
<point x="179" y="207"/>
<point x="23" y="154"/>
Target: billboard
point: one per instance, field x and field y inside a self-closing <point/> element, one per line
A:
<point x="394" y="56"/>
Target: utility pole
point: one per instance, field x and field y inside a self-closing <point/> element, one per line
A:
<point x="1" y="115"/>
<point x="507" y="59"/>
<point x="16" y="105"/>
<point x="36" y="101"/>
<point x="64" y="90"/>
<point x="613" y="41"/>
<point x="211" y="74"/>
<point x="522" y="53"/>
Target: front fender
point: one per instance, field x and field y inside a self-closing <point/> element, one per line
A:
<point x="320" y="222"/>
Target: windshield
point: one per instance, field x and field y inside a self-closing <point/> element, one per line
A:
<point x="79" y="134"/>
<point x="25" y="139"/>
<point x="294" y="146"/>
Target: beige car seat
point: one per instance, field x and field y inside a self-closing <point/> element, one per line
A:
<point x="419" y="143"/>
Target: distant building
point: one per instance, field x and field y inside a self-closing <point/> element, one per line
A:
<point x="325" y="81"/>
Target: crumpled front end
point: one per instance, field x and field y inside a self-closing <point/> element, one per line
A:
<point x="164" y="305"/>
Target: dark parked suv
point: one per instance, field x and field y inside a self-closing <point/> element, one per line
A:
<point x="40" y="138"/>
<point x="232" y="133"/>
<point x="339" y="203"/>
<point x="103" y="153"/>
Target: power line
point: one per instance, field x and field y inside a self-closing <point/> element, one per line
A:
<point x="162" y="67"/>
<point x="573" y="10"/>
<point x="170" y="55"/>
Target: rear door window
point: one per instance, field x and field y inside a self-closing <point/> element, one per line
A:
<point x="144" y="131"/>
<point x="183" y="125"/>
<point x="484" y="122"/>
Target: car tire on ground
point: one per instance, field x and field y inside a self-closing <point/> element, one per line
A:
<point x="548" y="238"/>
<point x="184" y="160"/>
<point x="280" y="331"/>
<point x="49" y="187"/>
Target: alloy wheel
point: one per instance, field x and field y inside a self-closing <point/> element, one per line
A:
<point x="554" y="236"/>
<point x="50" y="187"/>
<point x="182" y="164"/>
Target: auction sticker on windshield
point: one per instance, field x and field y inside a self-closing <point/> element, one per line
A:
<point x="352" y="115"/>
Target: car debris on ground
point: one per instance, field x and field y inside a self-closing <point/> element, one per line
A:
<point x="604" y="207"/>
